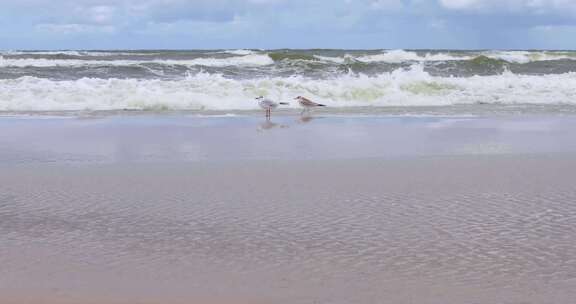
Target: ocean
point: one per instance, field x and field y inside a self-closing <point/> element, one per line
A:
<point x="229" y="80"/>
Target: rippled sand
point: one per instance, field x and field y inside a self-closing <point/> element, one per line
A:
<point x="468" y="228"/>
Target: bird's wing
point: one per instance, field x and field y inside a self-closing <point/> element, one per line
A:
<point x="268" y="102"/>
<point x="308" y="102"/>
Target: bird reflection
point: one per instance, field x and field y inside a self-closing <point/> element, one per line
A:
<point x="305" y="119"/>
<point x="269" y="125"/>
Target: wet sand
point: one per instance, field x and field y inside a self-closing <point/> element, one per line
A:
<point x="333" y="210"/>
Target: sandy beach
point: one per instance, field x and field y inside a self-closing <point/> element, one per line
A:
<point x="333" y="209"/>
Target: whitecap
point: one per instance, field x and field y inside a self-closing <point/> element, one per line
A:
<point x="248" y="60"/>
<point x="204" y="91"/>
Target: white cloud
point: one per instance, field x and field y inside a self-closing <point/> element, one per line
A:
<point x="74" y="28"/>
<point x="437" y="24"/>
<point x="101" y="13"/>
<point x="533" y="6"/>
<point x="386" y="4"/>
<point x="463" y="4"/>
<point x="555" y="29"/>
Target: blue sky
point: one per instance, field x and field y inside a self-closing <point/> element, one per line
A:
<point x="351" y="24"/>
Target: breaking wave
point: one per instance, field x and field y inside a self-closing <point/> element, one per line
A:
<point x="248" y="60"/>
<point x="207" y="91"/>
<point x="243" y="57"/>
<point x="520" y="57"/>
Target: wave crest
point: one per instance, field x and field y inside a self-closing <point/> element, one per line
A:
<point x="247" y="60"/>
<point x="203" y="91"/>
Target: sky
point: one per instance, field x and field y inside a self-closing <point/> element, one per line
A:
<point x="272" y="24"/>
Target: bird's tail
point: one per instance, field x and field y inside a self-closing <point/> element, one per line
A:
<point x="284" y="103"/>
<point x="321" y="105"/>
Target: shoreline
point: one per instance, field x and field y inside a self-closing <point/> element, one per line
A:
<point x="465" y="110"/>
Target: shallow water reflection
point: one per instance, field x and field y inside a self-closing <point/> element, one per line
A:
<point x="181" y="138"/>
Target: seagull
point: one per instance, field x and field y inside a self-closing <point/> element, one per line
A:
<point x="307" y="104"/>
<point x="269" y="104"/>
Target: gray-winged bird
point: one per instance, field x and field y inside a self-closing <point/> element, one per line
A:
<point x="268" y="105"/>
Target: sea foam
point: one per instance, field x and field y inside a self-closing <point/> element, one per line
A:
<point x="247" y="60"/>
<point x="204" y="91"/>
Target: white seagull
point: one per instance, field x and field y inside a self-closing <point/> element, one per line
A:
<point x="307" y="104"/>
<point x="268" y="104"/>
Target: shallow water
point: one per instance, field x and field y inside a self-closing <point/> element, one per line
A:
<point x="193" y="138"/>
